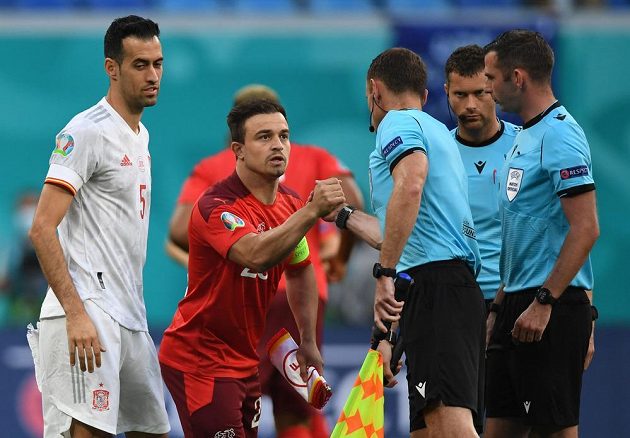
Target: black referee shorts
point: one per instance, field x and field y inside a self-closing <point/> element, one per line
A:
<point x="443" y="327"/>
<point x="539" y="382"/>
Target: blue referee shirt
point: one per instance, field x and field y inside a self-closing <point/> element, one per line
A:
<point x="482" y="162"/>
<point x="444" y="229"/>
<point x="550" y="159"/>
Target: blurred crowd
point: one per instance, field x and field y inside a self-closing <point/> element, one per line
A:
<point x="306" y="6"/>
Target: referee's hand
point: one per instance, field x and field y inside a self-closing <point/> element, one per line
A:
<point x="530" y="326"/>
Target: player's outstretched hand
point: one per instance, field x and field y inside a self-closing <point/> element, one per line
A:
<point x="328" y="196"/>
<point x="83" y="341"/>
<point x="308" y="355"/>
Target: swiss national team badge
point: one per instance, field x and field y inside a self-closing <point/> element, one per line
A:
<point x="100" y="399"/>
<point x="513" y="183"/>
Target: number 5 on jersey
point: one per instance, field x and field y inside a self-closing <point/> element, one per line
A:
<point x="143" y="201"/>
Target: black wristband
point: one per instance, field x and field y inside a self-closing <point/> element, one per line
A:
<point x="391" y="337"/>
<point x="594" y="313"/>
<point x="343" y="215"/>
<point x="494" y="307"/>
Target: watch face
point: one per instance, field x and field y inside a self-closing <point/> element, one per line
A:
<point x="543" y="296"/>
<point x="376" y="270"/>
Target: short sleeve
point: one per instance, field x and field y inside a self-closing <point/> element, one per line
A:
<point x="566" y="158"/>
<point x="198" y="181"/>
<point x="224" y="227"/>
<point x="74" y="158"/>
<point x="401" y="136"/>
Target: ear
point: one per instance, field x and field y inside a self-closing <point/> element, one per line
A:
<point x="519" y="78"/>
<point x="424" y="97"/>
<point x="238" y="150"/>
<point x="112" y="69"/>
<point x="374" y="88"/>
<point x="446" y="89"/>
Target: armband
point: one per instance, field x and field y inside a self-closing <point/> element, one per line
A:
<point x="300" y="253"/>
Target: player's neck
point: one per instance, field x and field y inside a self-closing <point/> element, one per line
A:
<point x="479" y="136"/>
<point x="536" y="101"/>
<point x="393" y="102"/>
<point x="261" y="187"/>
<point x="130" y="116"/>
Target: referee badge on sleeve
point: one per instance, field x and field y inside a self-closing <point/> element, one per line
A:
<point x="513" y="183"/>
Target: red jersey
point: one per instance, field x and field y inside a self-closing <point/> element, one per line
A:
<point x="218" y="324"/>
<point x="306" y="164"/>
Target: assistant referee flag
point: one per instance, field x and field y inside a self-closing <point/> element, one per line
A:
<point x="363" y="414"/>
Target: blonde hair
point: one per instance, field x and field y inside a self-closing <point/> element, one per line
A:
<point x="255" y="92"/>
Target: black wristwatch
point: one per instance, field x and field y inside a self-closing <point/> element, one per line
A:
<point x="343" y="215"/>
<point x="379" y="271"/>
<point x="494" y="307"/>
<point x="594" y="313"/>
<point x="543" y="296"/>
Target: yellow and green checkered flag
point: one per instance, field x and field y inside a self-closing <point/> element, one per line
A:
<point x="363" y="413"/>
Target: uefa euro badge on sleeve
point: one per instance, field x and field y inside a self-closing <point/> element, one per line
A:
<point x="513" y="184"/>
<point x="282" y="353"/>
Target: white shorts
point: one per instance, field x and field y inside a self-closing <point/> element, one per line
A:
<point x="125" y="394"/>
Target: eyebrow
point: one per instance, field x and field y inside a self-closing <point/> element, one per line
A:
<point x="146" y="61"/>
<point x="270" y="131"/>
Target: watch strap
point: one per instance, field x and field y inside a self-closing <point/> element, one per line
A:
<point x="594" y="313"/>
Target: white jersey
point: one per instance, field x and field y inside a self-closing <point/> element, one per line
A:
<point x="107" y="167"/>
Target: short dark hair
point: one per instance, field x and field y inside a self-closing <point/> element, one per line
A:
<point x="524" y="49"/>
<point x="241" y="113"/>
<point x="401" y="70"/>
<point x="466" y="61"/>
<point x="129" y="26"/>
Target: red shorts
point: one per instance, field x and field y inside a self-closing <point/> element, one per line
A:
<point x="285" y="399"/>
<point x="215" y="407"/>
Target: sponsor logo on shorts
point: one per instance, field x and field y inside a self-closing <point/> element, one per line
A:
<point x="230" y="221"/>
<point x="513" y="183"/>
<point x="527" y="404"/>
<point x="228" y="433"/>
<point x="389" y="147"/>
<point x="100" y="399"/>
<point x="421" y="387"/>
<point x="574" y="172"/>
<point x="64" y="144"/>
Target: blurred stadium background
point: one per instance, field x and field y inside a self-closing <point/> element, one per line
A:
<point x="315" y="54"/>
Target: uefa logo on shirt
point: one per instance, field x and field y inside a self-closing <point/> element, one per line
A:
<point x="230" y="221"/>
<point x="64" y="144"/>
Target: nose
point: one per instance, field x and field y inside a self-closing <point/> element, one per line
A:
<point x="471" y="102"/>
<point x="276" y="144"/>
<point x="152" y="75"/>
